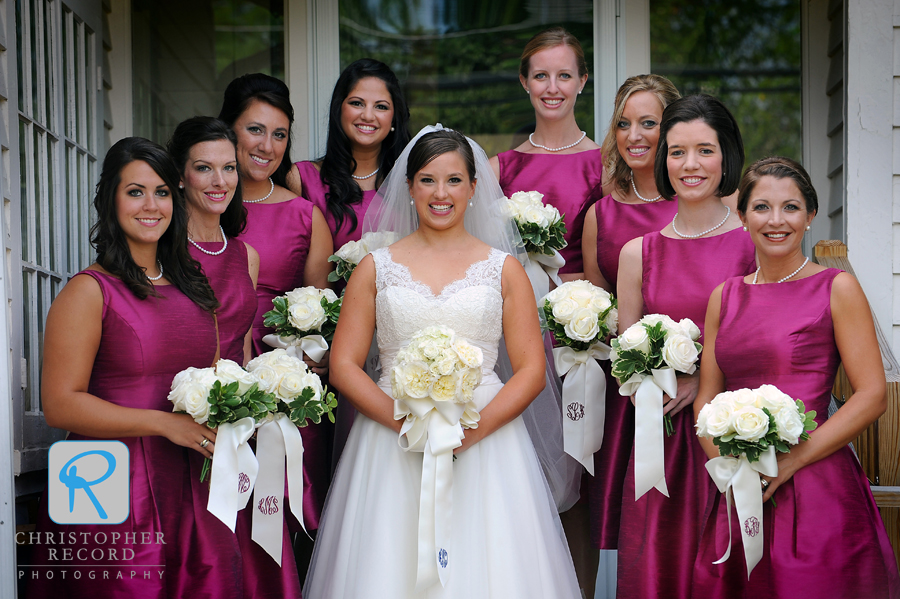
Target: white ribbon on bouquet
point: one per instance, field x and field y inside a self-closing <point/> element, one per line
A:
<point x="313" y="346"/>
<point x="234" y="470"/>
<point x="434" y="428"/>
<point x="584" y="400"/>
<point x="276" y="440"/>
<point x="541" y="269"/>
<point x="739" y="479"/>
<point x="649" y="452"/>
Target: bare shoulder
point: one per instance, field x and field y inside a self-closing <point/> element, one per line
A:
<point x="847" y="292"/>
<point x="82" y="295"/>
<point x="633" y="249"/>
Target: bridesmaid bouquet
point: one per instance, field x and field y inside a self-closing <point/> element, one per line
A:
<point x="300" y="398"/>
<point x="581" y="317"/>
<point x="749" y="426"/>
<point x="543" y="232"/>
<point x="351" y="253"/>
<point x="645" y="358"/>
<point x="433" y="382"/>
<point x="306" y="318"/>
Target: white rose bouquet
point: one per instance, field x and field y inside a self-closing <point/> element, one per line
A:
<point x="541" y="226"/>
<point x="306" y="318"/>
<point x="351" y="253"/>
<point x="749" y="426"/>
<point x="581" y="316"/>
<point x="433" y="380"/>
<point x="645" y="358"/>
<point x="298" y="392"/>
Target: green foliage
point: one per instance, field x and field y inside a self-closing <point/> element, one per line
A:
<point x="558" y="330"/>
<point x="342" y="269"/>
<point x="306" y="407"/>
<point x="227" y="406"/>
<point x="731" y="445"/>
<point x="279" y="319"/>
<point x="539" y="240"/>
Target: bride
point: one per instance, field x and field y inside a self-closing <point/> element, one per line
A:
<point x="452" y="267"/>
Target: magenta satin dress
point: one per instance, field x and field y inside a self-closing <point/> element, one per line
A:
<point x="617" y="224"/>
<point x="229" y="275"/>
<point x="566" y="180"/>
<point x="315" y="190"/>
<point x="658" y="536"/>
<point x="144" y="344"/>
<point x="825" y="538"/>
<point x="281" y="233"/>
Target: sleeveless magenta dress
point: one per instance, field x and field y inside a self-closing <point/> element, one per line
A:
<point x="825" y="538"/>
<point x="229" y="275"/>
<point x="617" y="224"/>
<point x="658" y="535"/>
<point x="144" y="344"/>
<point x="566" y="180"/>
<point x="281" y="234"/>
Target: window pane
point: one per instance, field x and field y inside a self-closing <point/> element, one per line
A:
<point x="24" y="203"/>
<point x="26" y="346"/>
<point x="185" y="54"/>
<point x="38" y="191"/>
<point x="55" y="227"/>
<point x="458" y="60"/>
<point x="20" y="55"/>
<point x="723" y="48"/>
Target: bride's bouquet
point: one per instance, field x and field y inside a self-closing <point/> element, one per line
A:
<point x="300" y="398"/>
<point x="645" y="358"/>
<point x="749" y="426"/>
<point x="433" y="380"/>
<point x="349" y="255"/>
<point x="543" y="232"/>
<point x="304" y="318"/>
<point x="581" y="317"/>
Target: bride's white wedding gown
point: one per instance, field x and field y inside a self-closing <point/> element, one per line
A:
<point x="506" y="537"/>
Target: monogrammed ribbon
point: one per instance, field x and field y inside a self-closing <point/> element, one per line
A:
<point x="583" y="400"/>
<point x="276" y="440"/>
<point x="738" y="478"/>
<point x="234" y="470"/>
<point x="541" y="269"/>
<point x="434" y="428"/>
<point x="313" y="346"/>
<point x="649" y="454"/>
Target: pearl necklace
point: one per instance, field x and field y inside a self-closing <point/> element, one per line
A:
<point x="682" y="235"/>
<point x="205" y="251"/>
<point x="266" y="197"/>
<point x="159" y="276"/>
<point x="783" y="279"/>
<point x="536" y="145"/>
<point x="369" y="176"/>
<point x="642" y="198"/>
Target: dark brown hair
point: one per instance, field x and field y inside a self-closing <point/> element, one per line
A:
<point x="434" y="144"/>
<point x="780" y="168"/>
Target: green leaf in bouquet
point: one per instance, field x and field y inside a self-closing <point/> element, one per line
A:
<point x="233" y="402"/>
<point x="213" y="409"/>
<point x="333" y="276"/>
<point x="628" y="363"/>
<point x="241" y="412"/>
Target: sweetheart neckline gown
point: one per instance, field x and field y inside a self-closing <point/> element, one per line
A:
<point x="506" y="539"/>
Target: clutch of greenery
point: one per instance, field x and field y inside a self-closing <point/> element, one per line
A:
<point x="541" y="226"/>
<point x="304" y="311"/>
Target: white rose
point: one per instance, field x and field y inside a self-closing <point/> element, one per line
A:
<point x="690" y="329"/>
<point x="192" y="397"/>
<point x="290" y="385"/>
<point x="313" y="381"/>
<point x="564" y="310"/>
<point x="352" y="252"/>
<point x="669" y="325"/>
<point x="535" y="215"/>
<point x="328" y="294"/>
<point x="431" y="348"/>
<point x="283" y="363"/>
<point x="228" y="372"/>
<point x="612" y="321"/>
<point x="750" y="424"/>
<point x="555" y="296"/>
<point x="746" y="398"/>
<point x="308" y="315"/>
<point x="600" y="301"/>
<point x="634" y="337"/>
<point x="416" y="380"/>
<point x="469" y="354"/>
<point x="583" y="326"/>
<point x="445" y="388"/>
<point x="445" y="363"/>
<point x="267" y="377"/>
<point x="775" y="400"/>
<point x="182" y="377"/>
<point x="469" y="379"/>
<point x="717" y="418"/>
<point x="581" y="292"/>
<point x="261" y="360"/>
<point x="790" y="426"/>
<point x="680" y="353"/>
<point x="300" y="295"/>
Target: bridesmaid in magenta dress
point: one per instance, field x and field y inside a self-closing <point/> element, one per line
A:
<point x="672" y="272"/>
<point x="289" y="233"/>
<point x="632" y="208"/>
<point x="204" y="149"/>
<point x="116" y="336"/>
<point x="790" y="324"/>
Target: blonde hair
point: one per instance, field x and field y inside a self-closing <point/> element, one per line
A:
<point x="664" y="90"/>
<point x="551" y="38"/>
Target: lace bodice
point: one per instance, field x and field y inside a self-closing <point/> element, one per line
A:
<point x="471" y="306"/>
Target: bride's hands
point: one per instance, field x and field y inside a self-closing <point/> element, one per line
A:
<point x="472" y="436"/>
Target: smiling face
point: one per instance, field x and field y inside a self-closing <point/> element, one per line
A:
<point x="210" y="176"/>
<point x="262" y="132"/>
<point x="777" y="216"/>
<point x="553" y="82"/>
<point x="143" y="204"/>
<point x="441" y="191"/>
<point x="637" y="132"/>
<point x="367" y="113"/>
<point x="694" y="160"/>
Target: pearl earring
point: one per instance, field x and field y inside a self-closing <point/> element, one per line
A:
<point x="392" y="128"/>
<point x="579" y="92"/>
<point x="807" y="227"/>
<point x="528" y="91"/>
<point x="471" y="203"/>
<point x="412" y="202"/>
<point x="181" y="186"/>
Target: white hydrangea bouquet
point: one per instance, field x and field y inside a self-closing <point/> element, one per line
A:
<point x="433" y="380"/>
<point x="645" y="358"/>
<point x="349" y="255"/>
<point x="581" y="317"/>
<point x="543" y="231"/>
<point x="304" y="318"/>
<point x="749" y="426"/>
<point x="227" y="398"/>
<point x="301" y="399"/>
